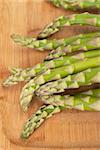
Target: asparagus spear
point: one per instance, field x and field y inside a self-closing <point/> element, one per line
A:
<point x="44" y="112"/>
<point x="76" y="4"/>
<point x="27" y="74"/>
<point x="54" y="74"/>
<point x="38" y="44"/>
<point x="95" y="93"/>
<point x="57" y="24"/>
<point x="84" y="46"/>
<point x="50" y="44"/>
<point x="80" y="102"/>
<point x="58" y="103"/>
<point x="87" y="77"/>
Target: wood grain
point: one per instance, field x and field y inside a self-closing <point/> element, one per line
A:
<point x="68" y="129"/>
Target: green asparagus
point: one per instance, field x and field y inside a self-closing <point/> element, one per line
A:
<point x="51" y="44"/>
<point x="54" y="74"/>
<point x="84" y="46"/>
<point x="95" y="93"/>
<point x="27" y="74"/>
<point x="44" y="112"/>
<point x="82" y="19"/>
<point x="77" y="70"/>
<point x="87" y="77"/>
<point x="77" y="4"/>
<point x="58" y="103"/>
<point x="38" y="44"/>
<point x="80" y="102"/>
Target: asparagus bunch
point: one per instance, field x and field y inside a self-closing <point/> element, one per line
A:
<point x="86" y="45"/>
<point x="76" y="4"/>
<point x="51" y="44"/>
<point x="57" y="24"/>
<point x="56" y="104"/>
<point x="54" y="74"/>
<point x="27" y="74"/>
<point x="87" y="77"/>
<point x="75" y="71"/>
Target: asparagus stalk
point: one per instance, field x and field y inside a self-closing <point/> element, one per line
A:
<point x="54" y="74"/>
<point x="76" y="4"/>
<point x="86" y="45"/>
<point x="57" y="24"/>
<point x="43" y="113"/>
<point x="27" y="74"/>
<point x="58" y="103"/>
<point x="87" y="77"/>
<point x="95" y="93"/>
<point x="37" y="44"/>
<point x="80" y="102"/>
<point x="50" y="44"/>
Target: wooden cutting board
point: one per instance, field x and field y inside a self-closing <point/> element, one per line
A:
<point x="67" y="129"/>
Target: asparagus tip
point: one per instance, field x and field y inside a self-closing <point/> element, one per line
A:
<point x="16" y="38"/>
<point x="13" y="35"/>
